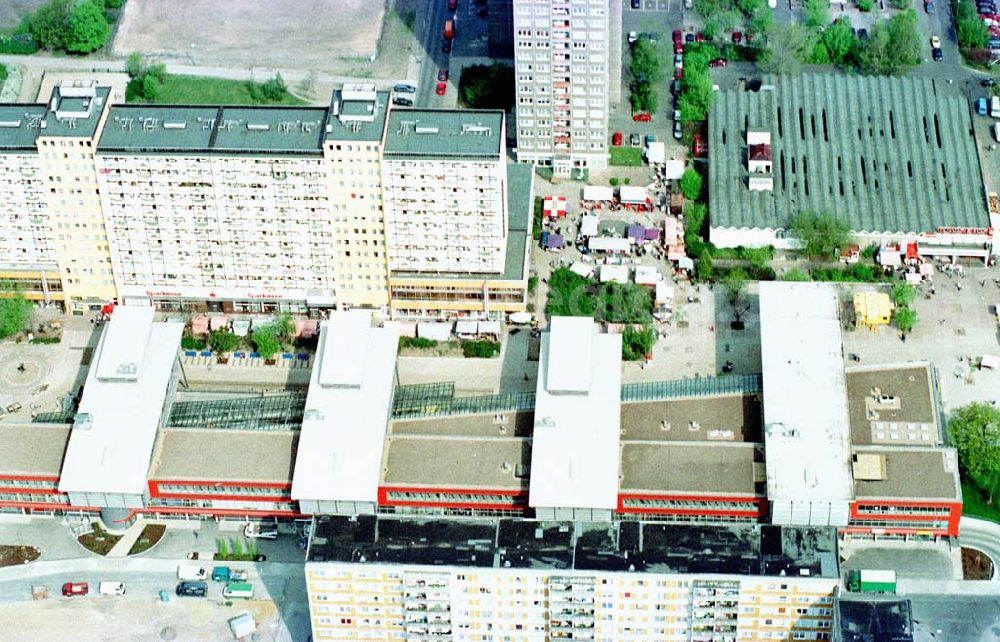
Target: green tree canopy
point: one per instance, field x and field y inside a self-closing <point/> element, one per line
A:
<point x="487" y="86"/>
<point x="636" y="344"/>
<point x="902" y="294"/>
<point x="88" y="28"/>
<point x="761" y="22"/>
<point x="690" y="184"/>
<point x="970" y="29"/>
<point x="570" y="295"/>
<point x="223" y="340"/>
<point x="975" y="432"/>
<point x="625" y="303"/>
<point x="15" y="311"/>
<point x="265" y="340"/>
<point x="647" y="74"/>
<point x="906" y="318"/>
<point x="840" y="41"/>
<point x="736" y="285"/>
<point x="817" y="13"/>
<point x="819" y="234"/>
<point x="788" y="46"/>
<point x="893" y="47"/>
<point x="49" y="24"/>
<point x="705" y="267"/>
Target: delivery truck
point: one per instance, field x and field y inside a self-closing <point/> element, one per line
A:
<point x="871" y="581"/>
<point x="238" y="589"/>
<point x="191" y="572"/>
<point x="449" y="29"/>
<point x="995" y="107"/>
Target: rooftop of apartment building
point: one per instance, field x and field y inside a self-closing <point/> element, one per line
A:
<point x="610" y="546"/>
<point x="357" y="114"/>
<point x="520" y="208"/>
<point x="892" y="405"/>
<point x="904" y="161"/>
<point x="444" y="134"/>
<point x="74" y="110"/>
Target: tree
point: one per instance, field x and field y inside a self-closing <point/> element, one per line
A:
<point x="975" y="432"/>
<point x="971" y="31"/>
<point x="761" y="22"/>
<point x="736" y="285"/>
<point x="15" y="311"/>
<point x="636" y="344"/>
<point x="840" y="41"/>
<point x="796" y="274"/>
<point x="820" y="235"/>
<point x="265" y="341"/>
<point x="135" y="65"/>
<point x="691" y="184"/>
<point x="88" y="28"/>
<point x="487" y="86"/>
<point x="864" y="6"/>
<point x="901" y="4"/>
<point x="49" y="24"/>
<point x="223" y="340"/>
<point x="817" y="13"/>
<point x="906" y="318"/>
<point x="274" y="89"/>
<point x="647" y="74"/>
<point x="902" y="294"/>
<point x="752" y="7"/>
<point x="625" y="303"/>
<point x="788" y="45"/>
<point x="894" y="45"/>
<point x="705" y="267"/>
<point x="570" y="295"/>
<point x="150" y="87"/>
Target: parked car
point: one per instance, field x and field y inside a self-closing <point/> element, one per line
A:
<point x="718" y="62"/>
<point x="928" y="6"/>
<point x="446" y="46"/>
<point x="863" y="34"/>
<point x="634" y="140"/>
<point x="70" y="589"/>
<point x="262" y="531"/>
<point x="699" y="37"/>
<point x="111" y="588"/>
<point x="676" y="35"/>
<point x="737" y="37"/>
<point x="987" y="82"/>
<point x="678" y="47"/>
<point x="677" y="115"/>
<point x="689" y="38"/>
<point x="442" y="87"/>
<point x="678" y="132"/>
<point x="935" y="42"/>
<point x="632" y="37"/>
<point x="650" y="138"/>
<point x="616" y="139"/>
<point x="642" y="118"/>
<point x="678" y="60"/>
<point x="937" y="55"/>
<point x="678" y="73"/>
<point x="402" y="101"/>
<point x="981" y="105"/>
<point x="442" y="74"/>
<point x="636" y="4"/>
<point x="192" y="589"/>
<point x="221" y="574"/>
<point x="404" y="88"/>
<point x="676" y="88"/>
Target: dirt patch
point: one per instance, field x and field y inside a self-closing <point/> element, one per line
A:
<point x="148" y="538"/>
<point x="15" y="10"/>
<point x="976" y="565"/>
<point x="16" y="555"/>
<point x="301" y="34"/>
<point x="99" y="541"/>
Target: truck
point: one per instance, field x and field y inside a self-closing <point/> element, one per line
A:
<point x="871" y="581"/>
<point x="238" y="589"/>
<point x="262" y="531"/>
<point x="191" y="572"/>
<point x="449" y="29"/>
<point x="995" y="107"/>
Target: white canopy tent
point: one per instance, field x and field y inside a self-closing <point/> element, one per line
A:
<point x="582" y="269"/>
<point x="656" y="153"/>
<point x="598" y="193"/>
<point x="589" y="225"/>
<point x="673" y="169"/>
<point x="615" y="273"/>
<point x="434" y="331"/>
<point x="632" y="194"/>
<point x="609" y="244"/>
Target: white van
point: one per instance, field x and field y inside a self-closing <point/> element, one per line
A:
<point x="112" y="588"/>
<point x="995" y="107"/>
<point x="238" y="589"/>
<point x="996" y="131"/>
<point x="191" y="573"/>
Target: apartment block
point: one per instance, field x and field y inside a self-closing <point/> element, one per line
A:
<point x="562" y="59"/>
<point x="260" y="209"/>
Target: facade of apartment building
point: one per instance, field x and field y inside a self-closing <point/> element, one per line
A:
<point x="562" y="58"/>
<point x="264" y="209"/>
<point x="399" y="601"/>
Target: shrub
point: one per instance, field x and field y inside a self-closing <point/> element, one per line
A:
<point x="46" y="340"/>
<point x="532" y="284"/>
<point x="796" y="274"/>
<point x="223" y="340"/>
<point x="192" y="343"/>
<point x="21" y="44"/>
<point x="480" y="349"/>
<point x="866" y="5"/>
<point x="636" y="344"/>
<point x="266" y="342"/>
<point x="416" y="342"/>
<point x="690" y="184"/>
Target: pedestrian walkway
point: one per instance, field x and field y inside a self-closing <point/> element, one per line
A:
<point x="131" y="536"/>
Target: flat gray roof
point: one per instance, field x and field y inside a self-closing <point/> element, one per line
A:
<point x="32" y="449"/>
<point x="671" y="420"/>
<point x="444" y="133"/>
<point x="514" y="424"/>
<point x="456" y="462"/>
<point x="703" y="468"/>
<point x="158" y="128"/>
<point x="76" y="127"/>
<point x="913" y="473"/>
<point x="19" y="126"/>
<point x="900" y="158"/>
<point x="910" y="384"/>
<point x="359" y="130"/>
<point x="225" y="455"/>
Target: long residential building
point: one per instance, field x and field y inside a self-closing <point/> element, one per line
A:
<point x="563" y="53"/>
<point x="261" y="209"/>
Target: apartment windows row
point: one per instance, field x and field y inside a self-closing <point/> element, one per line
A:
<point x="195" y="489"/>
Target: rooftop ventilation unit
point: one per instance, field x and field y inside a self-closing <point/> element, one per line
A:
<point x="477" y="129"/>
<point x="83" y="421"/>
<point x="425" y="130"/>
<point x="9" y="124"/>
<point x="312" y="415"/>
<point x="167" y="125"/>
<point x="257" y="127"/>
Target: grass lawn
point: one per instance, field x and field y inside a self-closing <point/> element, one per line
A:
<point x="3" y="74"/>
<point x="974" y="503"/>
<point x="627" y="156"/>
<point x="151" y="534"/>
<point x="199" y="90"/>
<point x="99" y="541"/>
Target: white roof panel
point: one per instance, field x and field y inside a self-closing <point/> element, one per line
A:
<point x="647" y="275"/>
<point x="343" y="431"/>
<point x="609" y="244"/>
<point x="342" y="362"/>
<point x="574" y="454"/>
<point x="616" y="273"/>
<point x="112" y="440"/>
<point x="598" y="193"/>
<point x="632" y="194"/>
<point x="125" y="341"/>
<point x="570" y="341"/>
<point x="589" y="225"/>
<point x="656" y="152"/>
<point x="807" y="434"/>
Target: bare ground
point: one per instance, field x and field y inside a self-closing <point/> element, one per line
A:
<point x="12" y="11"/>
<point x="293" y="34"/>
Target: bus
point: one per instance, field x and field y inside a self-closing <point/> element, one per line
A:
<point x="238" y="589"/>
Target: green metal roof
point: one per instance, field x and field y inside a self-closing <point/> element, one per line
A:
<point x="19" y="125"/>
<point x="443" y="133"/>
<point x="887" y="154"/>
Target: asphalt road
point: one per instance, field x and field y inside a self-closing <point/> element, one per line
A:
<point x="432" y="58"/>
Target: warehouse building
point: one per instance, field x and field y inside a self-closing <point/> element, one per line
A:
<point x="902" y="166"/>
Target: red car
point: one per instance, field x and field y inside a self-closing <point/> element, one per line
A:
<point x="737" y="37"/>
<point x="75" y="588"/>
<point x="700" y="37"/>
<point x="441" y="88"/>
<point x="678" y="73"/>
<point x="616" y="139"/>
<point x="642" y="118"/>
<point x="677" y="35"/>
<point x="678" y="47"/>
<point x="718" y="62"/>
<point x="442" y="74"/>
